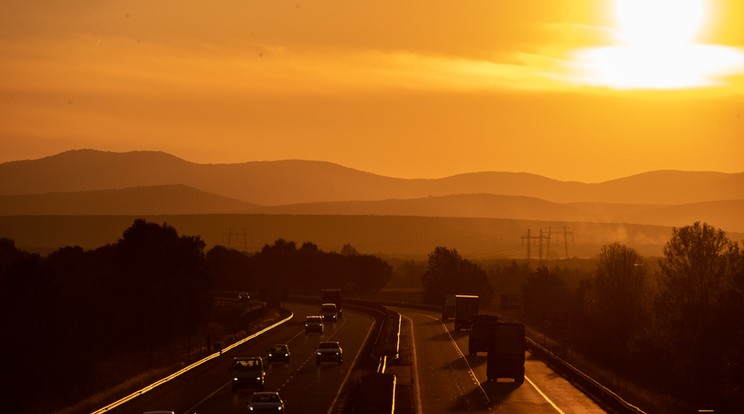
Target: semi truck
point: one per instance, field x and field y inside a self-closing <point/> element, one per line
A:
<point x="448" y="308"/>
<point x="506" y="352"/>
<point x="480" y="333"/>
<point x="333" y="296"/>
<point x="465" y="307"/>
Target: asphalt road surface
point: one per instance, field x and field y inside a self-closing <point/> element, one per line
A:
<point x="305" y="387"/>
<point x="446" y="380"/>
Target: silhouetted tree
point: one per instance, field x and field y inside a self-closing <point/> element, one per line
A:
<point x="368" y="273"/>
<point x="229" y="269"/>
<point x="349" y="250"/>
<point x="617" y="300"/>
<point x="165" y="274"/>
<point x="447" y="272"/>
<point x="699" y="308"/>
<point x="544" y="291"/>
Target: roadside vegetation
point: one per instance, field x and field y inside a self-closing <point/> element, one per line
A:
<point x="667" y="330"/>
<point x="78" y="323"/>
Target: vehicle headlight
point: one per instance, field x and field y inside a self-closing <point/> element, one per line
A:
<point x="271" y="355"/>
<point x="258" y="378"/>
<point x="235" y="379"/>
<point x="250" y="408"/>
<point x="317" y="353"/>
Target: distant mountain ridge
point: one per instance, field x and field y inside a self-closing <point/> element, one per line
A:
<point x="163" y="199"/>
<point x="275" y="183"/>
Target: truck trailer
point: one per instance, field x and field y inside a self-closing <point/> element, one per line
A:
<point x="448" y="308"/>
<point x="506" y="352"/>
<point x="480" y="333"/>
<point x="465" y="307"/>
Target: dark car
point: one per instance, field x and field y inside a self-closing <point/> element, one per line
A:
<point x="314" y="323"/>
<point x="278" y="353"/>
<point x="244" y="296"/>
<point x="265" y="402"/>
<point x="248" y="372"/>
<point x="329" y="351"/>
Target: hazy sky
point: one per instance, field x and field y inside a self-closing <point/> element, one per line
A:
<point x="584" y="90"/>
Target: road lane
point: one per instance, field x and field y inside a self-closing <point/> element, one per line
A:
<point x="447" y="380"/>
<point x="306" y="387"/>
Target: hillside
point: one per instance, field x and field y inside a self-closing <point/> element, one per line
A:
<point x="273" y="183"/>
<point x="165" y="199"/>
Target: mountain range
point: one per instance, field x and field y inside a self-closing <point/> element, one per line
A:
<point x="91" y="182"/>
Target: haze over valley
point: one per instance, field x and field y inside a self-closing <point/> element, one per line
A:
<point x="307" y="193"/>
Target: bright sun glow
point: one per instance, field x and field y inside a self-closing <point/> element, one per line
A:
<point x="659" y="22"/>
<point x="657" y="49"/>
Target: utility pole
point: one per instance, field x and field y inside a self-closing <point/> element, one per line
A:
<point x="565" y="240"/>
<point x="230" y="235"/>
<point x="529" y="238"/>
<point x="540" y="239"/>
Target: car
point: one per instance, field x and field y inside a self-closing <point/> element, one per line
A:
<point x="313" y="323"/>
<point x="329" y="351"/>
<point x="329" y="312"/>
<point x="243" y="296"/>
<point x="278" y="353"/>
<point x="265" y="402"/>
<point x="248" y="372"/>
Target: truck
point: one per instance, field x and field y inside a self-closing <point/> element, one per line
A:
<point x="333" y="296"/>
<point x="448" y="308"/>
<point x="480" y="331"/>
<point x="506" y="352"/>
<point x="465" y="307"/>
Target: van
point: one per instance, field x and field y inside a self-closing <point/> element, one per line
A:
<point x="329" y="312"/>
<point x="248" y="372"/>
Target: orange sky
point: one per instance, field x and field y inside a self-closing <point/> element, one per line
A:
<point x="418" y="89"/>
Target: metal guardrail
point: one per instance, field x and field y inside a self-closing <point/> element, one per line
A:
<point x="592" y="386"/>
<point x="188" y="368"/>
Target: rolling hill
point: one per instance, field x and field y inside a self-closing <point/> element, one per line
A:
<point x="273" y="183"/>
<point x="86" y="197"/>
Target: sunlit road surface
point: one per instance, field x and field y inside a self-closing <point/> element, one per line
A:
<point x="447" y="380"/>
<point x="305" y="387"/>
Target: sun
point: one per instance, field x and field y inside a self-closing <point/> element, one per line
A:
<point x="659" y="22"/>
<point x="657" y="46"/>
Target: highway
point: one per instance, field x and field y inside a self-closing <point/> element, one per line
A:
<point x="305" y="387"/>
<point x="443" y="378"/>
<point x="446" y="380"/>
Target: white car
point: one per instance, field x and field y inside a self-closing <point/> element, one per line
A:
<point x="265" y="402"/>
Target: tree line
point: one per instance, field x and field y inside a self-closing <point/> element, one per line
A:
<point x="678" y="329"/>
<point x="64" y="313"/>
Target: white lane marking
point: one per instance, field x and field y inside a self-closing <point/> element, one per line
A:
<point x="462" y="356"/>
<point x="472" y="374"/>
<point x="208" y="397"/>
<point x="414" y="373"/>
<point x="188" y="368"/>
<point x="544" y="396"/>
